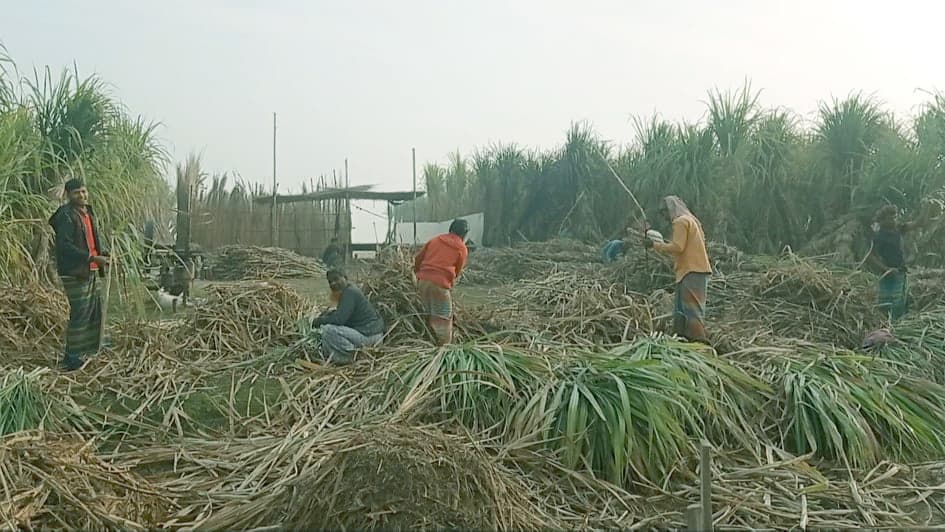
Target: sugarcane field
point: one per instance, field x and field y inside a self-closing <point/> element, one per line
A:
<point x="729" y="321"/>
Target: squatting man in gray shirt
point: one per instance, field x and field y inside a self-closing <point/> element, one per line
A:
<point x="353" y="324"/>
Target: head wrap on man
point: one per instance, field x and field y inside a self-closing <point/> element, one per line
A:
<point x="676" y="207"/>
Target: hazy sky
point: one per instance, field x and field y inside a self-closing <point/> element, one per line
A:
<point x="369" y="80"/>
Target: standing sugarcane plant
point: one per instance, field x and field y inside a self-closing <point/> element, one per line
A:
<point x="189" y="180"/>
<point x="53" y="127"/>
<point x="760" y="179"/>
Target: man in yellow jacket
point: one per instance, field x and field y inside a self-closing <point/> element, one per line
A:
<point x="692" y="267"/>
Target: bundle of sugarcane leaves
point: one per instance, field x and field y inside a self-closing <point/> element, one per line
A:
<point x="362" y="474"/>
<point x="787" y="492"/>
<point x="31" y="317"/>
<point x="837" y="404"/>
<point x="627" y="414"/>
<point x="918" y="347"/>
<point x="572" y="307"/>
<point x="526" y="261"/>
<point x="54" y="482"/>
<point x="245" y="317"/>
<point x="23" y="404"/>
<point x="926" y="289"/>
<point x="237" y="262"/>
<point x="807" y="282"/>
<point x="308" y="342"/>
<point x="739" y="309"/>
<point x="26" y="403"/>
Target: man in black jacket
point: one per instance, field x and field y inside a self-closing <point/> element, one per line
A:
<point x="81" y="258"/>
<point x="333" y="256"/>
<point x="352" y="325"/>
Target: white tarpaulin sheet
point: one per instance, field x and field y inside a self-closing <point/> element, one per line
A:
<point x="428" y="230"/>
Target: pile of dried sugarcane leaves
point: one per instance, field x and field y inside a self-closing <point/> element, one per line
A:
<point x="564" y="403"/>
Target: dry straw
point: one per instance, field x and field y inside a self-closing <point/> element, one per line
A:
<point x="237" y="263"/>
<point x="570" y="416"/>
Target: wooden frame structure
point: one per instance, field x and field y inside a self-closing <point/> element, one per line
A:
<point x="347" y="194"/>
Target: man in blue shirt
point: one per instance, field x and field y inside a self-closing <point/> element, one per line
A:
<point x="612" y="250"/>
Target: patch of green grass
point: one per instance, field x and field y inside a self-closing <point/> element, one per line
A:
<point x="23" y="405"/>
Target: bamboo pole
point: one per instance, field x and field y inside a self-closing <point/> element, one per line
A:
<point x="347" y="212"/>
<point x="693" y="518"/>
<point x="272" y="213"/>
<point x="705" y="484"/>
<point x="107" y="295"/>
<point x="622" y="184"/>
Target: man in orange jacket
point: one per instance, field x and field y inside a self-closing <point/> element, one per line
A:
<point x="437" y="266"/>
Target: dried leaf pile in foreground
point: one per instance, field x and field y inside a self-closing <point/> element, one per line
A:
<point x="563" y="405"/>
